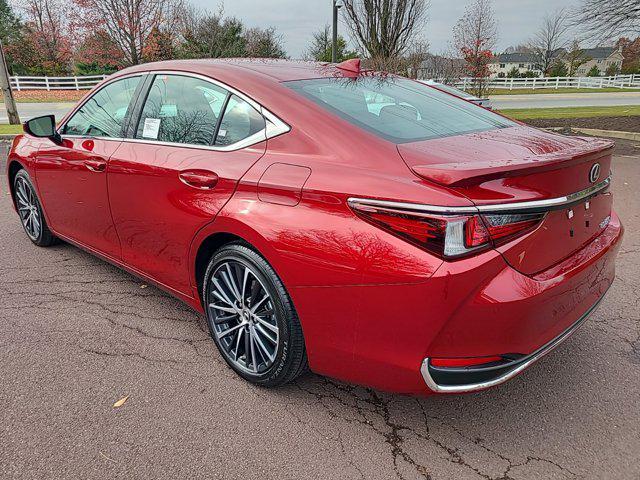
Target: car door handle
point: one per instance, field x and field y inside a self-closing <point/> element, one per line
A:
<point x="202" y="179"/>
<point x="96" y="165"/>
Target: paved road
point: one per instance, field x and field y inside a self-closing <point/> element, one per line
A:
<point x="30" y="110"/>
<point x="549" y="100"/>
<point x="77" y="334"/>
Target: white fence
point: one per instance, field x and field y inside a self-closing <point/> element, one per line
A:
<point x="618" y="81"/>
<point x="19" y="83"/>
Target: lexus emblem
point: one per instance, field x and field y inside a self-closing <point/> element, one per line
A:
<point x="594" y="173"/>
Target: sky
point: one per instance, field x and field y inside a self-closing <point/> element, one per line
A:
<point x="296" y="20"/>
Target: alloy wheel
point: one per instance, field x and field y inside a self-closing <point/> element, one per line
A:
<point x="28" y="208"/>
<point x="243" y="317"/>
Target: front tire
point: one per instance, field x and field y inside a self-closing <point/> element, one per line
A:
<point x="30" y="211"/>
<point x="251" y="317"/>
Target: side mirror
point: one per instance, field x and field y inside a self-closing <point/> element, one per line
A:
<point x="43" y="127"/>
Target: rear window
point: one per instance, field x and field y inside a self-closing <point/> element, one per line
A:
<point x="397" y="109"/>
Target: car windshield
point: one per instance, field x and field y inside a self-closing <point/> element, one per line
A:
<point x="398" y="109"/>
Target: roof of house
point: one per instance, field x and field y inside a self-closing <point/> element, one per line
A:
<point x="516" y="57"/>
<point x="599" y="52"/>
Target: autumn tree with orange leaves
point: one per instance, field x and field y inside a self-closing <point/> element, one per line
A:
<point x="475" y="37"/>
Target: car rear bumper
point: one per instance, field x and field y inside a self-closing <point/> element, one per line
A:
<point x="472" y="308"/>
<point x="478" y="377"/>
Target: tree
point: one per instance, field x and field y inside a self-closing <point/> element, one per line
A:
<point x="129" y="23"/>
<point x="97" y="54"/>
<point x="549" y="39"/>
<point x="444" y="67"/>
<point x="416" y="55"/>
<point x="158" y="46"/>
<point x="46" y="36"/>
<point x="263" y="43"/>
<point x="575" y="58"/>
<point x="475" y="36"/>
<point x="612" y="70"/>
<point x="207" y="35"/>
<point x="593" y="71"/>
<point x="604" y="19"/>
<point x="320" y="47"/>
<point x="384" y="29"/>
<point x="513" y="73"/>
<point x="10" y="33"/>
<point x="631" y="54"/>
<point x="10" y="24"/>
<point x="559" y="69"/>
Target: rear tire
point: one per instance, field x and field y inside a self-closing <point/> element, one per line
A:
<point x="251" y="317"/>
<point x="30" y="211"/>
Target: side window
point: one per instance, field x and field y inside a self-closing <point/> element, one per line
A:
<point x="104" y="113"/>
<point x="181" y="109"/>
<point x="240" y="120"/>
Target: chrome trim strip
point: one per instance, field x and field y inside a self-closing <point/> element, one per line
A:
<point x="534" y="205"/>
<point x="416" y="207"/>
<point x="274" y="126"/>
<point x="550" y="203"/>
<point x="535" y="356"/>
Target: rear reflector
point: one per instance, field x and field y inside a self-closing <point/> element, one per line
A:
<point x="463" y="362"/>
<point x="448" y="236"/>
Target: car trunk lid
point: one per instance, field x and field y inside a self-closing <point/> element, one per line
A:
<point x="522" y="164"/>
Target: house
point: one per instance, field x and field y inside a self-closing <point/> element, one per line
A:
<point x="504" y="63"/>
<point x="601" y="57"/>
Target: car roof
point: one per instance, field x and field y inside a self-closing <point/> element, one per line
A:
<point x="276" y="70"/>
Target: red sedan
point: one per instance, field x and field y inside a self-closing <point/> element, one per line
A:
<point x="365" y="226"/>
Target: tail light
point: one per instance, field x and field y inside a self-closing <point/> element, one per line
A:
<point x="448" y="236"/>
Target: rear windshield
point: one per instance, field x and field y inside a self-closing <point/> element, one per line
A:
<point x="397" y="109"/>
<point x="452" y="90"/>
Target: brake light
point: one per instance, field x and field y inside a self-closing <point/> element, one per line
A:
<point x="448" y="236"/>
<point x="504" y="227"/>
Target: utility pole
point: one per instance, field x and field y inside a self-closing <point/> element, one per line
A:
<point x="334" y="43"/>
<point x="5" y="85"/>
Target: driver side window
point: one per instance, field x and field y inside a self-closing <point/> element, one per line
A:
<point x="104" y="113"/>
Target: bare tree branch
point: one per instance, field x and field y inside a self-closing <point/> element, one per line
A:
<point x="550" y="37"/>
<point x="385" y="28"/>
<point x="605" y="19"/>
<point x="475" y="36"/>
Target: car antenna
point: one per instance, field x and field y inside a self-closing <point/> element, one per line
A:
<point x="352" y="65"/>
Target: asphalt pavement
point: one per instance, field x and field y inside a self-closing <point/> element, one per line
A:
<point x="77" y="335"/>
<point x="30" y="110"/>
<point x="556" y="100"/>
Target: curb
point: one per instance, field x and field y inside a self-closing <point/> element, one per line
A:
<point x="608" y="133"/>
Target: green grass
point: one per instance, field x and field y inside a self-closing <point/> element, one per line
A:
<point x="10" y="129"/>
<point x="529" y="91"/>
<point x="571" y="112"/>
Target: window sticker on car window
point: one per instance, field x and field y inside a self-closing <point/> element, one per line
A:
<point x="168" y="110"/>
<point x="222" y="133"/>
<point x="151" y="128"/>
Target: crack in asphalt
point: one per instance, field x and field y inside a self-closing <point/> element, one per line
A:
<point x="393" y="431"/>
